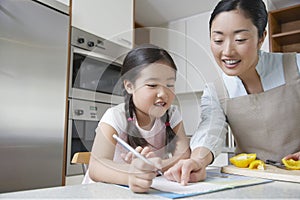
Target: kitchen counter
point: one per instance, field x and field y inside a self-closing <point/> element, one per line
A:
<point x="276" y="189"/>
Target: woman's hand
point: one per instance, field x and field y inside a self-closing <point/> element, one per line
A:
<point x="192" y="169"/>
<point x="294" y="156"/>
<point x="144" y="151"/>
<point x="142" y="174"/>
<point x="185" y="171"/>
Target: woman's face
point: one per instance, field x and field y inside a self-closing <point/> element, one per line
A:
<point x="153" y="90"/>
<point x="234" y="43"/>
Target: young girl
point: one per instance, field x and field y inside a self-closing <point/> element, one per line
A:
<point x="147" y="121"/>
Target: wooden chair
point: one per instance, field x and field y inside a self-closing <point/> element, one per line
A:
<point x="82" y="158"/>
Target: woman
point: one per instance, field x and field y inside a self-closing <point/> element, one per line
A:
<point x="258" y="94"/>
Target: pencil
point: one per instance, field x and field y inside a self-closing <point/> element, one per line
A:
<point x="137" y="154"/>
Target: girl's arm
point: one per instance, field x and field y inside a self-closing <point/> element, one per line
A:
<point x="138" y="175"/>
<point x="182" y="150"/>
<point x="102" y="167"/>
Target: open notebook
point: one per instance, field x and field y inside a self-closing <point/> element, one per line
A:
<point x="215" y="181"/>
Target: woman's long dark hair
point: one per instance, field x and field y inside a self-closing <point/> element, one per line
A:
<point x="135" y="61"/>
<point x="254" y="9"/>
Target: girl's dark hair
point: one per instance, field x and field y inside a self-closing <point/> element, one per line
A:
<point x="254" y="9"/>
<point x="135" y="61"/>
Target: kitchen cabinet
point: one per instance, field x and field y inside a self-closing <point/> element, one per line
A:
<point x="189" y="42"/>
<point x="176" y="43"/>
<point x="60" y="5"/>
<point x="284" y="29"/>
<point x="201" y="67"/>
<point x="66" y="2"/>
<point x="172" y="38"/>
<point x="112" y="20"/>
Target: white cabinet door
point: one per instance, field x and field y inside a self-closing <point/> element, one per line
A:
<point x="172" y="38"/>
<point x="110" y="19"/>
<point x="201" y="67"/>
<point x="66" y="2"/>
<point x="176" y="43"/>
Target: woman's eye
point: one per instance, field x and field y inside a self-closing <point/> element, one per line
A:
<point x="240" y="40"/>
<point x="170" y="85"/>
<point x="218" y="41"/>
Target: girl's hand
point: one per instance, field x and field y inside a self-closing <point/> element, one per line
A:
<point x="144" y="151"/>
<point x="142" y="174"/>
<point x="294" y="156"/>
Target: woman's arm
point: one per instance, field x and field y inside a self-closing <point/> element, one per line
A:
<point x="206" y="142"/>
<point x="213" y="127"/>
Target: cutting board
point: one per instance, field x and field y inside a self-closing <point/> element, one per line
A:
<point x="271" y="172"/>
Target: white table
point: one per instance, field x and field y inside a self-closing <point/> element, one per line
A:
<point x="271" y="190"/>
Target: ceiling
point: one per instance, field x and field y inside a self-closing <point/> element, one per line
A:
<point x="158" y="12"/>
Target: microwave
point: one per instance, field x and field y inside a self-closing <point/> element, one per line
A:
<point x="95" y="74"/>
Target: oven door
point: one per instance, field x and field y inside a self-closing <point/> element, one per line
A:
<point x="83" y="120"/>
<point x="94" y="76"/>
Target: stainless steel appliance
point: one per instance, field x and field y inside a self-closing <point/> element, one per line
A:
<point x="33" y="71"/>
<point x="95" y="67"/>
<point x="94" y="87"/>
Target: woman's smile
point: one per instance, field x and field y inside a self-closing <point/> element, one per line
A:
<point x="231" y="63"/>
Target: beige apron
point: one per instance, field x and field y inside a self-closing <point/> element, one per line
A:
<point x="267" y="123"/>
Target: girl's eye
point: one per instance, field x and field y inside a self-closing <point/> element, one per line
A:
<point x="170" y="85"/>
<point x="151" y="85"/>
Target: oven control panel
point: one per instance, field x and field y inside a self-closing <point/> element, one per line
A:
<point x="87" y="110"/>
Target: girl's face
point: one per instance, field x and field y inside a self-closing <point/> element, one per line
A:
<point x="153" y="90"/>
<point x="234" y="43"/>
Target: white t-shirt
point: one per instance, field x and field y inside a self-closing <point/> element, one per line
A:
<point x="116" y="118"/>
<point x="213" y="127"/>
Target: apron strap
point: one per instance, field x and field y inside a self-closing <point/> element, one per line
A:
<point x="290" y="67"/>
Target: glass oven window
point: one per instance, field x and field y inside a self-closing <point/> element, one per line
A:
<point x="83" y="134"/>
<point x="96" y="75"/>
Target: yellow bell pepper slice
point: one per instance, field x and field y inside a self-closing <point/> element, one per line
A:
<point x="291" y="164"/>
<point x="257" y="164"/>
<point x="242" y="160"/>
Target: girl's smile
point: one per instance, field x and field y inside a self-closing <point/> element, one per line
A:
<point x="153" y="91"/>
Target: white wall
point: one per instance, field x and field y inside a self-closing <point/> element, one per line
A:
<point x="189" y="104"/>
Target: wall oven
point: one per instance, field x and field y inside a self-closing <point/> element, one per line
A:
<point x="83" y="119"/>
<point x="94" y="86"/>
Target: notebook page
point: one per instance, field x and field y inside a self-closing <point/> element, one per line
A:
<point x="162" y="184"/>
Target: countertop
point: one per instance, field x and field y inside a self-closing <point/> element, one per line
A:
<point x="276" y="189"/>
